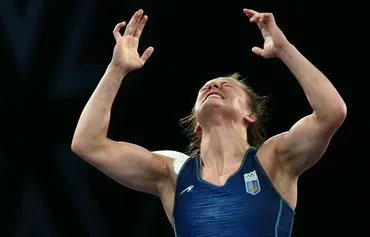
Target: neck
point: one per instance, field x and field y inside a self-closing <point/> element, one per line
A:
<point x="223" y="146"/>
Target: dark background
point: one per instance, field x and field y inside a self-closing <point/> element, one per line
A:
<point x="53" y="54"/>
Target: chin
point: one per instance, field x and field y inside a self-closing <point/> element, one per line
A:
<point x="213" y="106"/>
<point x="214" y="111"/>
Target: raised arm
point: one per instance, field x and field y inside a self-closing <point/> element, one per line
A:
<point x="306" y="142"/>
<point x="128" y="164"/>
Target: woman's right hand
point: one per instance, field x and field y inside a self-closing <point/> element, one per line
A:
<point x="125" y="54"/>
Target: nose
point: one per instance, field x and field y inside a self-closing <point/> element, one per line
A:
<point x="213" y="84"/>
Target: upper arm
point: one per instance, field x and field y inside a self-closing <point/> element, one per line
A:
<point x="128" y="164"/>
<point x="305" y="143"/>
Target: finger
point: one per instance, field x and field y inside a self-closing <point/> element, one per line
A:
<point x="131" y="26"/>
<point x="249" y="12"/>
<point x="266" y="17"/>
<point x="140" y="26"/>
<point x="116" y="30"/>
<point x="147" y="53"/>
<point x="257" y="50"/>
<point x="263" y="18"/>
<point x="255" y="18"/>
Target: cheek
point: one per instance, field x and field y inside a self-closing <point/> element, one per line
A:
<point x="241" y="105"/>
<point x="198" y="101"/>
<point x="196" y="106"/>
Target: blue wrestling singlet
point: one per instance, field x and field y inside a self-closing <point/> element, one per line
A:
<point x="247" y="205"/>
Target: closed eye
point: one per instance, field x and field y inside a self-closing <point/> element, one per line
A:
<point x="226" y="84"/>
<point x="222" y="84"/>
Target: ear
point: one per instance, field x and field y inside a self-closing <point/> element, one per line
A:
<point x="250" y="118"/>
<point x="197" y="128"/>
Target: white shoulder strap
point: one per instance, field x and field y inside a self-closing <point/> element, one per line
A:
<point x="179" y="158"/>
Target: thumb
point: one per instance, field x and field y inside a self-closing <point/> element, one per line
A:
<point x="147" y="53"/>
<point x="257" y="50"/>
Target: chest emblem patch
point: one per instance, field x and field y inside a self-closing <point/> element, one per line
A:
<point x="252" y="184"/>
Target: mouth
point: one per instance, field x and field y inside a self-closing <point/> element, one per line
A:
<point x="214" y="95"/>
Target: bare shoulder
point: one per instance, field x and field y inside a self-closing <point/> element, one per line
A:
<point x="270" y="145"/>
<point x="284" y="182"/>
<point x="276" y="138"/>
<point x="267" y="153"/>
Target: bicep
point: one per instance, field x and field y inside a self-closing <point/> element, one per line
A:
<point x="130" y="165"/>
<point x="304" y="144"/>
